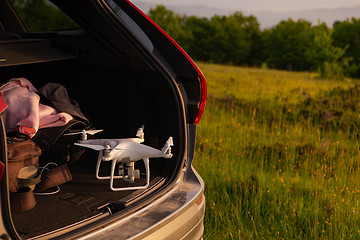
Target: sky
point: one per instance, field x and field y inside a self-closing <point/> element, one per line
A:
<point x="258" y="5"/>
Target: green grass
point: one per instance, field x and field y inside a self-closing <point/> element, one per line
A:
<point x="279" y="154"/>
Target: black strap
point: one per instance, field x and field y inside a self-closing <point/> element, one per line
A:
<point x="45" y="138"/>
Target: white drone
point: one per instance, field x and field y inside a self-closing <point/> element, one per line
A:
<point x="125" y="152"/>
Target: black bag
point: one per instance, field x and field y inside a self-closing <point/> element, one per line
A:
<point x="58" y="147"/>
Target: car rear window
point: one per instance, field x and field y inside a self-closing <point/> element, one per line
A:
<point x="42" y="15"/>
<point x="131" y="24"/>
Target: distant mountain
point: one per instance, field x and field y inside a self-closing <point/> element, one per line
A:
<point x="195" y="10"/>
<point x="267" y="19"/>
<point x="329" y="16"/>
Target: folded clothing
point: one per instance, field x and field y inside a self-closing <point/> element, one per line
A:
<point x="56" y="95"/>
<point x="25" y="113"/>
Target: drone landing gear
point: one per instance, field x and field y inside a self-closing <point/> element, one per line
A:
<point x="132" y="173"/>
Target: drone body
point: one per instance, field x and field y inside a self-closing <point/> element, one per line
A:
<point x="125" y="152"/>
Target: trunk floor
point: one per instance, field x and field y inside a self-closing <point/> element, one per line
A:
<point x="81" y="198"/>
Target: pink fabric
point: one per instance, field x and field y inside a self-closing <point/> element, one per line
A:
<point x="25" y="113"/>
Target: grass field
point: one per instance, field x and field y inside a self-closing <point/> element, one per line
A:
<point x="279" y="154"/>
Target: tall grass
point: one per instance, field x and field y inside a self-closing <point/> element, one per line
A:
<point x="279" y="154"/>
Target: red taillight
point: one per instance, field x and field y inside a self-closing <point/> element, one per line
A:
<point x="202" y="102"/>
<point x="3" y="104"/>
<point x="2" y="167"/>
<point x="203" y="89"/>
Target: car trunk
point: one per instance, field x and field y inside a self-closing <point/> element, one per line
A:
<point x="118" y="93"/>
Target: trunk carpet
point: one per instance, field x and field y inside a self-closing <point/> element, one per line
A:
<point x="81" y="198"/>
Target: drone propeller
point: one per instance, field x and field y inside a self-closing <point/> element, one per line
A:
<point x="91" y="132"/>
<point x="91" y="146"/>
<point x="84" y="133"/>
<point x="140" y="132"/>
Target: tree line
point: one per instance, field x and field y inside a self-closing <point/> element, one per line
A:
<point x="334" y="52"/>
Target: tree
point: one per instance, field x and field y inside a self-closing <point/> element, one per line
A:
<point x="229" y="41"/>
<point x="41" y="15"/>
<point x="198" y="41"/>
<point x="286" y="45"/>
<point x="221" y="39"/>
<point x="327" y="58"/>
<point x="346" y="34"/>
<point x="171" y="23"/>
<point x="254" y="36"/>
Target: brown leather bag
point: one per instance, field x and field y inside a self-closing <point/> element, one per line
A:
<point x="24" y="154"/>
